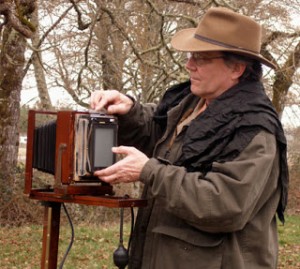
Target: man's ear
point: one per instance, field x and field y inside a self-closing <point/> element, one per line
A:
<point x="238" y="70"/>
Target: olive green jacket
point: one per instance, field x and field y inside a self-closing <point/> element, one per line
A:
<point x="223" y="219"/>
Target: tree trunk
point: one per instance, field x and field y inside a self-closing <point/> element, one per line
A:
<point x="110" y="49"/>
<point x="11" y="68"/>
<point x="284" y="80"/>
<point x="45" y="101"/>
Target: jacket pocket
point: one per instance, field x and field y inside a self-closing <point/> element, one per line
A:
<point x="191" y="235"/>
<point x="186" y="247"/>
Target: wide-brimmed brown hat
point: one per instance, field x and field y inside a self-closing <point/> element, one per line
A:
<point x="221" y="29"/>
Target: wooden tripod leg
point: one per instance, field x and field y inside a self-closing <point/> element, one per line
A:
<point x="50" y="235"/>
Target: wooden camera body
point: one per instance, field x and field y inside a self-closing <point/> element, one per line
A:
<point x="71" y="147"/>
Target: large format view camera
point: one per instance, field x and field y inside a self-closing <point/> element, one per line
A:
<point x="71" y="146"/>
<point x="64" y="149"/>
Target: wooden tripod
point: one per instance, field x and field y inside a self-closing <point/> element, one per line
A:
<point x="51" y="225"/>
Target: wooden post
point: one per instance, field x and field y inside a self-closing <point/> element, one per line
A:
<point x="50" y="235"/>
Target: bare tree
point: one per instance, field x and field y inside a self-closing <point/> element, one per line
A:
<point x="285" y="75"/>
<point x="125" y="45"/>
<point x="14" y="29"/>
<point x="37" y="62"/>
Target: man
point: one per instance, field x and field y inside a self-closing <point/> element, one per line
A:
<point x="211" y="155"/>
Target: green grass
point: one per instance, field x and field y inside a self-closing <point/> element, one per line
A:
<point x="94" y="245"/>
<point x="289" y="239"/>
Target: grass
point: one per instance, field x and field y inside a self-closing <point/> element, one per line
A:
<point x="94" y="245"/>
<point x="289" y="239"/>
<point x="92" y="248"/>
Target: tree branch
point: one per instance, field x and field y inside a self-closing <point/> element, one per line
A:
<point x="53" y="26"/>
<point x="81" y="25"/>
<point x="15" y="14"/>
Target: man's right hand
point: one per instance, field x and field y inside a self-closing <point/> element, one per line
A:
<point x="112" y="101"/>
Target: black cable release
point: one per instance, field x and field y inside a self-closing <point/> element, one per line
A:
<point x="120" y="256"/>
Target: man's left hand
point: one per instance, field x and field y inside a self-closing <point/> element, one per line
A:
<point x="126" y="170"/>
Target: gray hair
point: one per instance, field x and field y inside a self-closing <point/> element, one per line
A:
<point x="253" y="71"/>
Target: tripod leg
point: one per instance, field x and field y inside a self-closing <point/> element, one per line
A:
<point x="50" y="235"/>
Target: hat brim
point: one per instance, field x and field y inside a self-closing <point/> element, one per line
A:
<point x="185" y="40"/>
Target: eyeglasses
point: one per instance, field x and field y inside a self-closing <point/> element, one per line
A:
<point x="200" y="59"/>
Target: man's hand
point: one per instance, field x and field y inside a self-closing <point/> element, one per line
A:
<point x="113" y="101"/>
<point x="126" y="170"/>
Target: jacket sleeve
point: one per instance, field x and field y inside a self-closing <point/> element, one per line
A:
<point x="225" y="198"/>
<point x="137" y="128"/>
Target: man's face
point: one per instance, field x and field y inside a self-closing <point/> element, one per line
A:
<point x="209" y="74"/>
